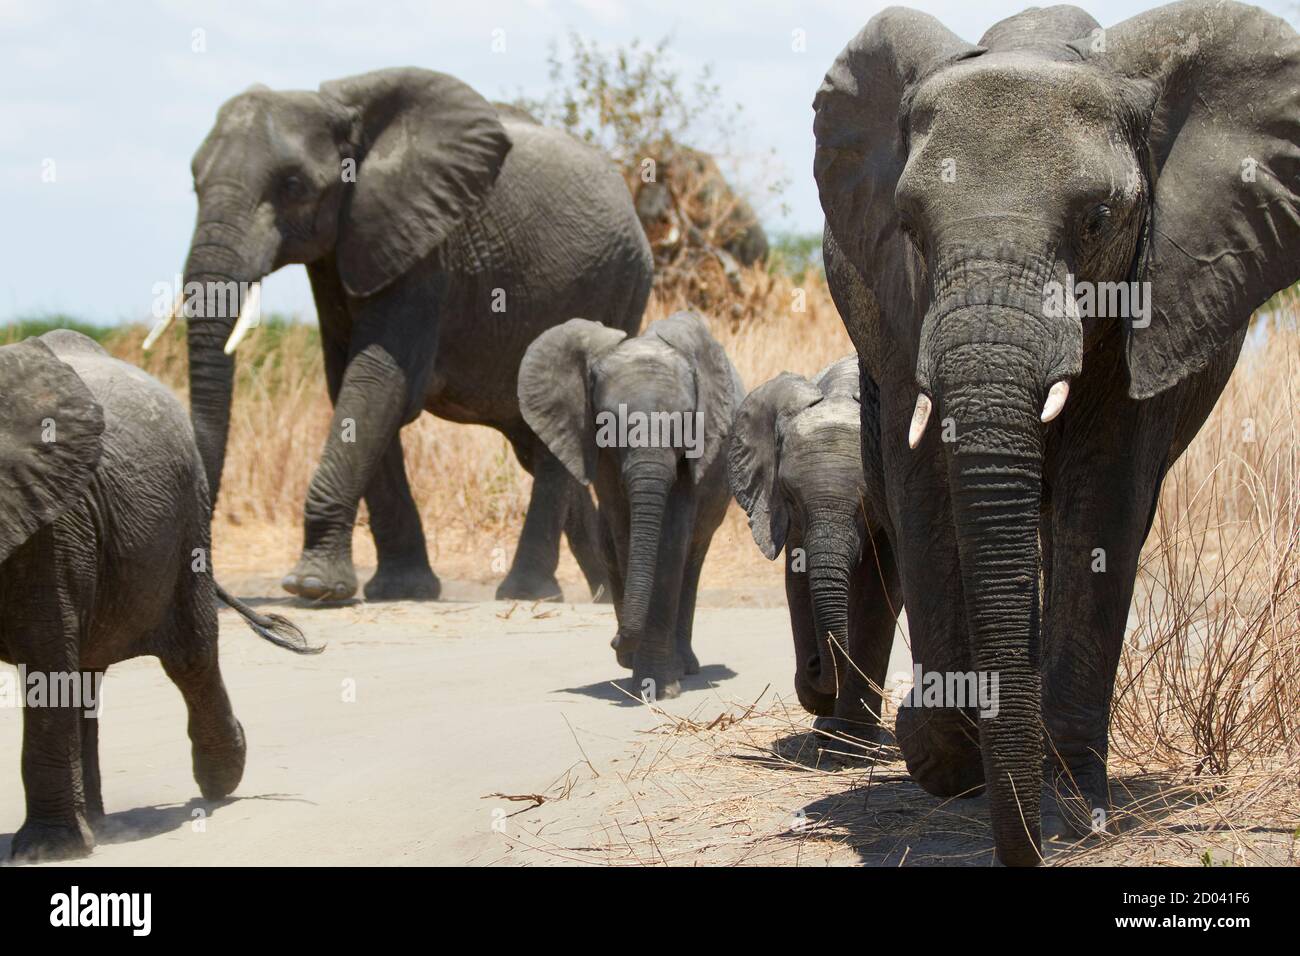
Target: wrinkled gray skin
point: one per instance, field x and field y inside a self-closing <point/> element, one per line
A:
<point x="658" y="508"/>
<point x="103" y="510"/>
<point x="1103" y="156"/>
<point x="460" y="234"/>
<point x="795" y="466"/>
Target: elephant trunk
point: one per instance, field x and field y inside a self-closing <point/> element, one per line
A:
<point x="995" y="474"/>
<point x="648" y="483"/>
<point x="225" y="259"/>
<point x="831" y="542"/>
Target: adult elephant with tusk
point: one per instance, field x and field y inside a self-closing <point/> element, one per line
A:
<point x="1150" y="170"/>
<point x="441" y="236"/>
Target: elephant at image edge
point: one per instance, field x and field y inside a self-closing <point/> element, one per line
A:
<point x="796" y="468"/>
<point x="440" y="237"/>
<point x="103" y="510"/>
<point x="658" y="507"/>
<point x="1098" y="161"/>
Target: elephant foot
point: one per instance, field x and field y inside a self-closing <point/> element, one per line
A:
<point x="941" y="748"/>
<point x="95" y="812"/>
<point x="403" y="583"/>
<point x="690" y="663"/>
<point x="525" y="586"/>
<point x="651" y="688"/>
<point x="322" y="577"/>
<point x="855" y="739"/>
<point x="655" y="678"/>
<point x="46" y="842"/>
<point x="218" y="770"/>
<point x="1074" y="808"/>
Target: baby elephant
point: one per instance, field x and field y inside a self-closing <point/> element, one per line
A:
<point x="796" y="468"/>
<point x="644" y="419"/>
<point x="104" y="537"/>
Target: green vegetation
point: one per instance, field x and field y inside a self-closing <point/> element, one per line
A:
<point x="795" y="254"/>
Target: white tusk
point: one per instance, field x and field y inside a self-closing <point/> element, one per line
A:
<point x="1056" y="397"/>
<point x="920" y="418"/>
<point x="163" y="324"/>
<point x="250" y="317"/>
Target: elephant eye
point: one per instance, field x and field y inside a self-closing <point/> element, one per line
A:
<point x="1094" y="224"/>
<point x="292" y="187"/>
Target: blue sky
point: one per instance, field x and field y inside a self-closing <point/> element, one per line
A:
<point x="114" y="96"/>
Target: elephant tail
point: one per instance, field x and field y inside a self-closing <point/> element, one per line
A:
<point x="279" y="630"/>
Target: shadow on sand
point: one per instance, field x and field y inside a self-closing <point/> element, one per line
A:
<point x="625" y="693"/>
<point x="142" y="823"/>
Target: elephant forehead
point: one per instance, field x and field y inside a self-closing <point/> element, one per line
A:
<point x="829" y="422"/>
<point x="1018" y="85"/>
<point x="1018" y="135"/>
<point x="643" y="372"/>
<point x="285" y="124"/>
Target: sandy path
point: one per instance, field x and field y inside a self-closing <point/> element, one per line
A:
<point x="454" y="701"/>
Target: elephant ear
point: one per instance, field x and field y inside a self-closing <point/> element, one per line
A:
<point x="753" y="456"/>
<point x="1225" y="161"/>
<point x="861" y="153"/>
<point x="430" y="149"/>
<point x="50" y="428"/>
<point x="717" y="386"/>
<point x="555" y="391"/>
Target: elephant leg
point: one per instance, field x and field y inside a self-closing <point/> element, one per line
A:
<point x="90" y="778"/>
<point x="686" y="606"/>
<point x="217" y="744"/>
<point x="873" y="615"/>
<point x="1096" y="537"/>
<point x="391" y="354"/>
<point x="45" y="633"/>
<point x="532" y="573"/>
<point x="404" y="573"/>
<point x="583" y="532"/>
<point x="940" y="744"/>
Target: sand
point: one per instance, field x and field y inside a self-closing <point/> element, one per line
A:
<point x="389" y="747"/>
<point x="475" y="732"/>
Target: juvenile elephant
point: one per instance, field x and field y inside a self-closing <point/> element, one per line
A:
<point x="1058" y="212"/>
<point x="441" y="236"/>
<point x="796" y="468"/>
<point x="644" y="419"/>
<point x="104" y="538"/>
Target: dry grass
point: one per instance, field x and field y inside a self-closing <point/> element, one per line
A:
<point x="471" y="492"/>
<point x="1206" y="701"/>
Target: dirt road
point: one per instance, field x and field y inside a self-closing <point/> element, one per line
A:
<point x="470" y="731"/>
<point x="388" y="747"/>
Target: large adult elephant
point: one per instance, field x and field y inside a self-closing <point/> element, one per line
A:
<point x="441" y="236"/>
<point x="965" y="187"/>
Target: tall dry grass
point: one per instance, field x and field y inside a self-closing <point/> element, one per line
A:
<point x="1209" y="682"/>
<point x="471" y="492"/>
